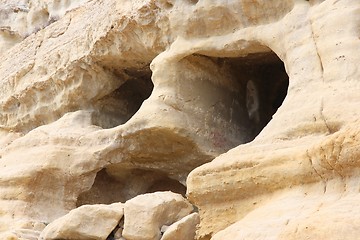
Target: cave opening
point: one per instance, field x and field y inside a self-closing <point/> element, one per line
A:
<point x="243" y="93"/>
<point x="264" y="84"/>
<point x="253" y="88"/>
<point x="121" y="184"/>
<point x="120" y="105"/>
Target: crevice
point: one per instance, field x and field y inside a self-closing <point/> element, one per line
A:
<point x="313" y="167"/>
<point x="338" y="154"/>
<point x="317" y="48"/>
<point x="58" y="34"/>
<point x="329" y="164"/>
<point x="116" y="234"/>
<point x="323" y="117"/>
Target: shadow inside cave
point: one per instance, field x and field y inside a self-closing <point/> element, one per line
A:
<point x="257" y="87"/>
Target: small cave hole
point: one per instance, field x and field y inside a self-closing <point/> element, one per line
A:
<point x="194" y="1"/>
<point x="120" y="105"/>
<point x="118" y="184"/>
<point x="167" y="4"/>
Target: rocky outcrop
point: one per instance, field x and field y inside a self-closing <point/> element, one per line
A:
<point x="251" y="107"/>
<point x="303" y="165"/>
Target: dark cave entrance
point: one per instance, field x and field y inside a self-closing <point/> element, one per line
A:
<point x="264" y="83"/>
<point x="120" y="105"/>
<point x="121" y="184"/>
<point x="243" y="92"/>
<point x="252" y="89"/>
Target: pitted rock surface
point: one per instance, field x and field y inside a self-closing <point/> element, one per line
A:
<point x="250" y="109"/>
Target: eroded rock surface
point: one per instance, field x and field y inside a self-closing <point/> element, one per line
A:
<point x="306" y="156"/>
<point x="85" y="222"/>
<point x="146" y="214"/>
<point x="183" y="229"/>
<point x="102" y="101"/>
<point x="19" y="19"/>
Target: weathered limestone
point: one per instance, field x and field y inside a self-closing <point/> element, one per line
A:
<point x="101" y="82"/>
<point x="146" y="214"/>
<point x="19" y="19"/>
<point x="183" y="229"/>
<point x="85" y="222"/>
<point x="113" y="99"/>
<point x="305" y="212"/>
<point x="310" y="145"/>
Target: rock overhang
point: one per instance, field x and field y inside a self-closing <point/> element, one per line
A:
<point x="174" y="131"/>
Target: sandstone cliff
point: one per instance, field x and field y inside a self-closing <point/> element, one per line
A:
<point x="117" y="111"/>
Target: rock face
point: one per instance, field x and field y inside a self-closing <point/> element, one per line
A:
<point x="248" y="107"/>
<point x="290" y="182"/>
<point x="19" y="19"/>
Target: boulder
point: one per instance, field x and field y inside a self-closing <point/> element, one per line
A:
<point x="147" y="213"/>
<point x="184" y="229"/>
<point x="85" y="222"/>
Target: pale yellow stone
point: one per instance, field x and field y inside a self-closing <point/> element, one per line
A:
<point x="19" y="19"/>
<point x="101" y="101"/>
<point x="147" y="213"/>
<point x="311" y="140"/>
<point x="86" y="222"/>
<point x="184" y="229"/>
